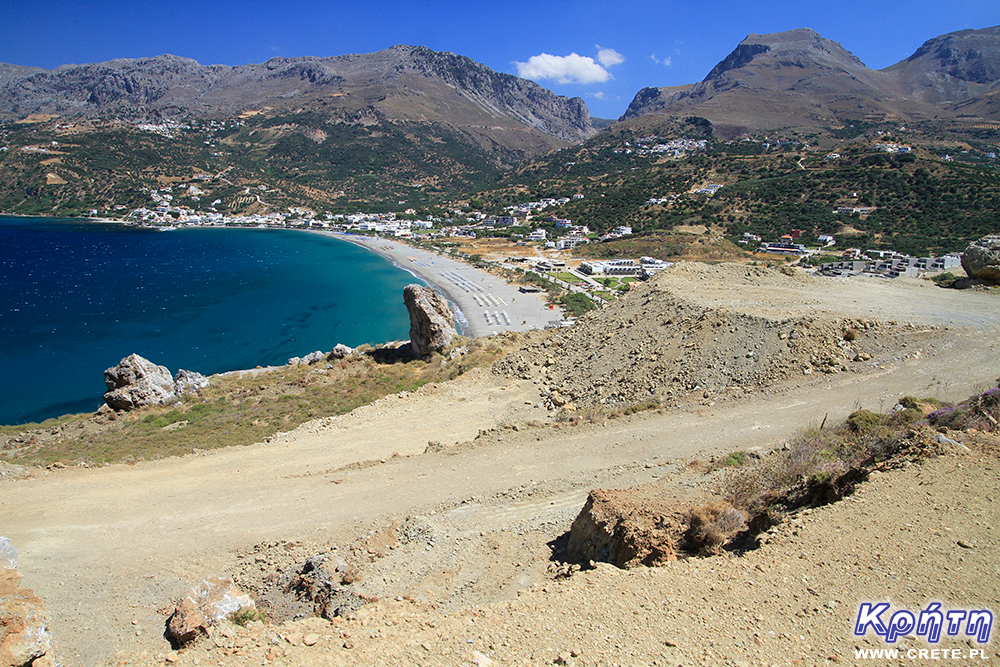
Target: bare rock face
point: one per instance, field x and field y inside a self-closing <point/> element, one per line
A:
<point x="136" y="382"/>
<point x="208" y="603"/>
<point x="432" y="322"/>
<point x="981" y="260"/>
<point x="24" y="622"/>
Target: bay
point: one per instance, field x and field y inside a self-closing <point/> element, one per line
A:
<point x="77" y="297"/>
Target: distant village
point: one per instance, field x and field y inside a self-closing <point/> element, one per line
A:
<point x="165" y="215"/>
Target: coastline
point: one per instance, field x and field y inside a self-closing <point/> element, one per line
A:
<point x="488" y="304"/>
<point x="484" y="303"/>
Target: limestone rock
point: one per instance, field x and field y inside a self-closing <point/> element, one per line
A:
<point x="981" y="260"/>
<point x="136" y="382"/>
<point x="207" y="604"/>
<point x="312" y="358"/>
<point x="340" y="351"/>
<point x="189" y="382"/>
<point x="24" y="623"/>
<point x="432" y="322"/>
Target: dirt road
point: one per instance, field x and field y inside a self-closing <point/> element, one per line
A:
<point x="106" y="548"/>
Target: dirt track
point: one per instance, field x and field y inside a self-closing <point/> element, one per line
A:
<point x="106" y="548"/>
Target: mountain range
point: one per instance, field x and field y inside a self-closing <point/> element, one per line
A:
<point x="800" y="79"/>
<point x="788" y="79"/>
<point x="401" y="83"/>
<point x="408" y="127"/>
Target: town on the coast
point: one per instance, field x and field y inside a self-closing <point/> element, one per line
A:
<point x="549" y="236"/>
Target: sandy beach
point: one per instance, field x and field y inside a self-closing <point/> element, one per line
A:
<point x="487" y="304"/>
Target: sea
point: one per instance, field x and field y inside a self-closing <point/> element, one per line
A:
<point x="76" y="297"/>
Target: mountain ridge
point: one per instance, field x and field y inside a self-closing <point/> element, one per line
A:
<point x="169" y="86"/>
<point x="799" y="78"/>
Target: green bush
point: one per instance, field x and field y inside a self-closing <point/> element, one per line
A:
<point x="865" y="422"/>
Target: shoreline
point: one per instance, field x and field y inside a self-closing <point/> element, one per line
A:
<point x="487" y="303"/>
<point x="484" y="304"/>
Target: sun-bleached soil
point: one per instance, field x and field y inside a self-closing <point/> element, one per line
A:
<point x="452" y="499"/>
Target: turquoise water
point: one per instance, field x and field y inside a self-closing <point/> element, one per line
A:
<point x="77" y="297"/>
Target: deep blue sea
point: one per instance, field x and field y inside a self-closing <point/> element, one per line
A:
<point x="77" y="297"/>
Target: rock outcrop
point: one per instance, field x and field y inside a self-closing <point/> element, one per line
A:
<point x="981" y="260"/>
<point x="311" y="358"/>
<point x="340" y="351"/>
<point x="651" y="525"/>
<point x="207" y="604"/>
<point x="432" y="322"/>
<point x="622" y="528"/>
<point x="189" y="382"/>
<point x="136" y="382"/>
<point x="24" y="622"/>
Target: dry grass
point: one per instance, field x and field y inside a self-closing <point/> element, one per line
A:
<point x="823" y="464"/>
<point x="238" y="410"/>
<point x="711" y="526"/>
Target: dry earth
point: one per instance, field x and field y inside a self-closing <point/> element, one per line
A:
<point x="456" y="539"/>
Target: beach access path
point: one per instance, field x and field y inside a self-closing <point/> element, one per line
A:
<point x="488" y="304"/>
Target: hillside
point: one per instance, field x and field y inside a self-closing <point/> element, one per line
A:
<point x="929" y="187"/>
<point x="463" y="538"/>
<point x="799" y="79"/>
<point x="399" y="83"/>
<point x="369" y="128"/>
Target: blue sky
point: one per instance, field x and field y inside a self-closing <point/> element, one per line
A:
<point x="601" y="51"/>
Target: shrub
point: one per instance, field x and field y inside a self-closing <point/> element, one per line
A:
<point x="864" y="422"/>
<point x="733" y="460"/>
<point x="711" y="526"/>
<point x="246" y="615"/>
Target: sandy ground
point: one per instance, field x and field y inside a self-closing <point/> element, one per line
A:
<point x="106" y="548"/>
<point x="487" y="304"/>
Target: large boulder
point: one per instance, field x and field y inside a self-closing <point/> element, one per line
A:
<point x="136" y="382"/>
<point x="625" y="529"/>
<point x="208" y="603"/>
<point x="432" y="322"/>
<point x="981" y="260"/>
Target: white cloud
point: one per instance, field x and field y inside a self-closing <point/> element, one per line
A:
<point x="609" y="57"/>
<point x="666" y="62"/>
<point x="599" y="95"/>
<point x="564" y="69"/>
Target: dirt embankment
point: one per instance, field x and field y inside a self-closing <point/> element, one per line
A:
<point x="697" y="332"/>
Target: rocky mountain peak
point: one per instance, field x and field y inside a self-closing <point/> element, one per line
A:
<point x="799" y="78"/>
<point x="952" y="67"/>
<point x="802" y="47"/>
